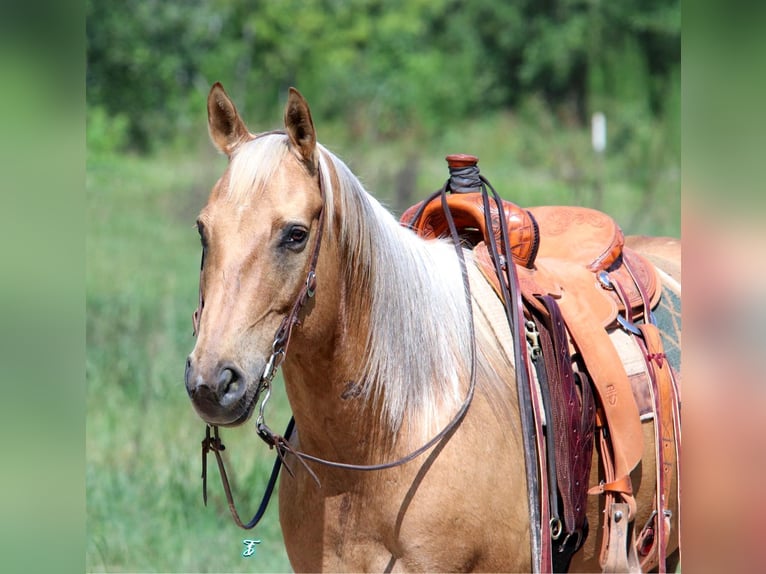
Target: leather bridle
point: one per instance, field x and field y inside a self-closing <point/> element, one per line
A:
<point x="212" y="442"/>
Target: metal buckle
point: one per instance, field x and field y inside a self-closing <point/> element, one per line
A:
<point x="270" y="370"/>
<point x="533" y="340"/>
<point x="311" y="284"/>
<point x="628" y="326"/>
<point x="605" y="280"/>
<point x="578" y="533"/>
<point x="606" y="283"/>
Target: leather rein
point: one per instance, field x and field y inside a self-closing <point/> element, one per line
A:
<point x="212" y="442"/>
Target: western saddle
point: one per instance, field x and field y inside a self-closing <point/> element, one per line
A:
<point x="578" y="281"/>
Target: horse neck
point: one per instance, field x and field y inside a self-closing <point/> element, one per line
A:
<point x="389" y="360"/>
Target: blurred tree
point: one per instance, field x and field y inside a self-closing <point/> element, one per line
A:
<point x="380" y="66"/>
<point x="142" y="60"/>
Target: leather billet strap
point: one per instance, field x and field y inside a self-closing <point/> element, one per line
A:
<point x="621" y="553"/>
<point x="653" y="539"/>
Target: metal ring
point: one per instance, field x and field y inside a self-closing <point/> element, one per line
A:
<point x="566" y="540"/>
<point x="605" y="280"/>
<point x="556" y="527"/>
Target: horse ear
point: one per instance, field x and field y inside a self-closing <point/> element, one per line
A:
<point x="227" y="130"/>
<point x="300" y="127"/>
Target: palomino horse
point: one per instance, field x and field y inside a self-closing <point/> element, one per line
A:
<point x="378" y="363"/>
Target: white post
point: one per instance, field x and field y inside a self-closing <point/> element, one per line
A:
<point x="598" y="132"/>
<point x="598" y="139"/>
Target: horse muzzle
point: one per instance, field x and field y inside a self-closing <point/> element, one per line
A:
<point x="222" y="394"/>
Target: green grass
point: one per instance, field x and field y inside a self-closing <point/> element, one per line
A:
<point x="144" y="505"/>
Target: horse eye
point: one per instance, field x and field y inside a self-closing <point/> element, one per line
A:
<point x="298" y="235"/>
<point x="295" y="237"/>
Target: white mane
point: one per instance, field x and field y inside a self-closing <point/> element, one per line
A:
<point x="410" y="292"/>
<point x="418" y="344"/>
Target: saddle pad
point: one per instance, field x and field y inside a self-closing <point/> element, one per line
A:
<point x="668" y="316"/>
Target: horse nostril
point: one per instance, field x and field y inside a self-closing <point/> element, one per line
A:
<point x="225" y="378"/>
<point x="230" y="385"/>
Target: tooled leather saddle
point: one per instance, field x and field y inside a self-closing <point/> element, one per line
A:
<point x="573" y="270"/>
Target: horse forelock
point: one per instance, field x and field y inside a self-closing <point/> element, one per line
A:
<point x="253" y="165"/>
<point x="411" y="295"/>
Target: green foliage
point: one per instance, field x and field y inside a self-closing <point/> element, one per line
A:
<point x="105" y="133"/>
<point x="382" y="68"/>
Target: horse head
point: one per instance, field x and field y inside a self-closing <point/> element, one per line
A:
<point x="259" y="231"/>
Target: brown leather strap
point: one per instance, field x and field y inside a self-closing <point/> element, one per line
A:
<point x="653" y="539"/>
<point x="620" y="450"/>
<point x="608" y="374"/>
<point x="531" y="420"/>
<point x="661" y="376"/>
<point x="214" y="443"/>
<point x="616" y="491"/>
<point x="573" y="421"/>
<point x="622" y="485"/>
